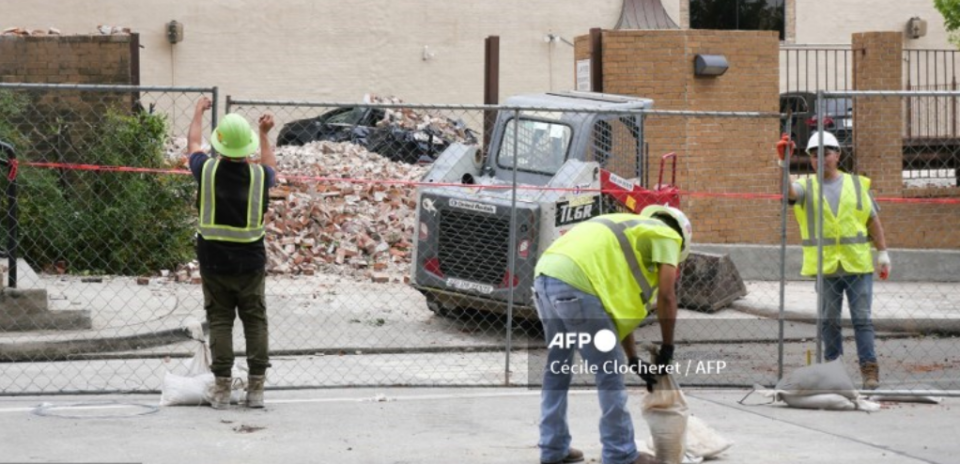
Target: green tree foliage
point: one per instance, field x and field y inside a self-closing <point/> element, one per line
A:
<point x="950" y="9"/>
<point x="122" y="223"/>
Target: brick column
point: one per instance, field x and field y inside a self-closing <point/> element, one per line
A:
<point x="877" y="65"/>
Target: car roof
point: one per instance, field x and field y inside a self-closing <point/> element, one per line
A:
<point x="577" y="99"/>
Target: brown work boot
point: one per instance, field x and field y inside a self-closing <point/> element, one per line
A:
<point x="871" y="375"/>
<point x="255" y="391"/>
<point x="573" y="455"/>
<point x="221" y="393"/>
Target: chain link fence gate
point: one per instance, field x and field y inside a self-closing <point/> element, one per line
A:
<point x="95" y="199"/>
<point x="343" y="225"/>
<point x="907" y="143"/>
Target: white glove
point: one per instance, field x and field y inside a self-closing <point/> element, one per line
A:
<point x="883" y="259"/>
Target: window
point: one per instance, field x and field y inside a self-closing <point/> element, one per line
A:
<point x="542" y="146"/>
<point x="795" y="105"/>
<point x="744" y="15"/>
<point x="350" y="116"/>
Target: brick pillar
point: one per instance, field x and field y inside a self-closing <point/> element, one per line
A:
<point x="878" y="138"/>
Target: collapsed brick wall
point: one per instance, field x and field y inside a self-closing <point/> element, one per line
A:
<point x="721" y="156"/>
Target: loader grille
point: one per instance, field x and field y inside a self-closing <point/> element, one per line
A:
<point x="473" y="247"/>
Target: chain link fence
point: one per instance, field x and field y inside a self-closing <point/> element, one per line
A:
<point x="402" y="240"/>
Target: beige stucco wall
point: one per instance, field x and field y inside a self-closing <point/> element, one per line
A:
<point x="834" y="21"/>
<point x="325" y="50"/>
<point x="338" y="50"/>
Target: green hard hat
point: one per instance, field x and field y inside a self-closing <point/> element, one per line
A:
<point x="234" y="138"/>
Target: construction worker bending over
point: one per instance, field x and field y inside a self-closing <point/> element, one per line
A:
<point x="232" y="201"/>
<point x="849" y="224"/>
<point x="598" y="279"/>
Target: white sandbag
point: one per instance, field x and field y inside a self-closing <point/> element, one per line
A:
<point x="828" y="377"/>
<point x="179" y="390"/>
<point x="195" y="386"/>
<point x="702" y="441"/>
<point x="828" y="401"/>
<point x="665" y="411"/>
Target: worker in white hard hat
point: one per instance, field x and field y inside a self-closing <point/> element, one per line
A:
<point x="596" y="282"/>
<point x="232" y="201"/>
<point x="850" y="224"/>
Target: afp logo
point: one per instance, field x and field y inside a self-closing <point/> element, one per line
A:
<point x="604" y="340"/>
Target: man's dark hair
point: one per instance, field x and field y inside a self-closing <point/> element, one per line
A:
<point x="670" y="221"/>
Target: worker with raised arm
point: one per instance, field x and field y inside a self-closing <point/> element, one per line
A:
<point x="598" y="280"/>
<point x="851" y="222"/>
<point x="232" y="201"/>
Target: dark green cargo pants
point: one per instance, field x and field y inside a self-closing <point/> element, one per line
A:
<point x="224" y="298"/>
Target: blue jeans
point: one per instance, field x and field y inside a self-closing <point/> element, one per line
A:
<point x="564" y="309"/>
<point x="859" y="290"/>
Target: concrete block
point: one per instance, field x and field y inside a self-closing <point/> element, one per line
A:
<point x="709" y="282"/>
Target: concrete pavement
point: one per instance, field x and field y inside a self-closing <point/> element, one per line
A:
<point x="484" y="426"/>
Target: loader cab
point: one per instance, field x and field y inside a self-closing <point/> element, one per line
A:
<point x="548" y="130"/>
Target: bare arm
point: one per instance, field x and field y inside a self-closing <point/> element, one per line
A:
<point x="875" y="229"/>
<point x="667" y="302"/>
<point x="195" y="134"/>
<point x="629" y="345"/>
<point x="267" y="158"/>
<point x="791" y="192"/>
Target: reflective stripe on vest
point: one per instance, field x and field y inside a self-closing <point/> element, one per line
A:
<point x="618" y="228"/>
<point x="845" y="239"/>
<point x="811" y="219"/>
<point x="254" y="229"/>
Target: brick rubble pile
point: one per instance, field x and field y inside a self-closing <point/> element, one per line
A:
<point x="358" y="229"/>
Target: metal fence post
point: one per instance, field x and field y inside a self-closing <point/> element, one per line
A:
<point x="785" y="189"/>
<point x="820" y="111"/>
<point x="512" y="247"/>
<point x="216" y="104"/>
<point x="12" y="219"/>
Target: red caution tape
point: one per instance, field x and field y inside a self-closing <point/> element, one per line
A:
<point x="13" y="170"/>
<point x="576" y="190"/>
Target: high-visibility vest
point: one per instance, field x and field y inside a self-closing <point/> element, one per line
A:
<point x="845" y="234"/>
<point x="209" y="229"/>
<point x="605" y="249"/>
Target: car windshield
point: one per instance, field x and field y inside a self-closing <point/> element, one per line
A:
<point x="542" y="146"/>
<point x="349" y="116"/>
<point x="838" y="106"/>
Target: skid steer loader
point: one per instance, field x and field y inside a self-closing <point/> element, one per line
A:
<point x="577" y="155"/>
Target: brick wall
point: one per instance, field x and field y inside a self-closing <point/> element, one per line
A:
<point x="78" y="59"/>
<point x="58" y="116"/>
<point x="716" y="155"/>
<point x="727" y="166"/>
<point x="879" y="153"/>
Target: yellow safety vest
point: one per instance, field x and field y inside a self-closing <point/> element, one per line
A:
<point x="845" y="234"/>
<point x="623" y="282"/>
<point x="254" y="230"/>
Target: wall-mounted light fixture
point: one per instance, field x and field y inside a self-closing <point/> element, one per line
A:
<point x="710" y="65"/>
<point x="916" y="28"/>
<point x="174" y="32"/>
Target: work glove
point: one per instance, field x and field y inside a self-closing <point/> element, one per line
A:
<point x="782" y="146"/>
<point x="645" y="371"/>
<point x="883" y="260"/>
<point x="664" y="358"/>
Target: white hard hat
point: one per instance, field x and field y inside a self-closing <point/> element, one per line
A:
<point x="829" y="141"/>
<point x="686" y="230"/>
